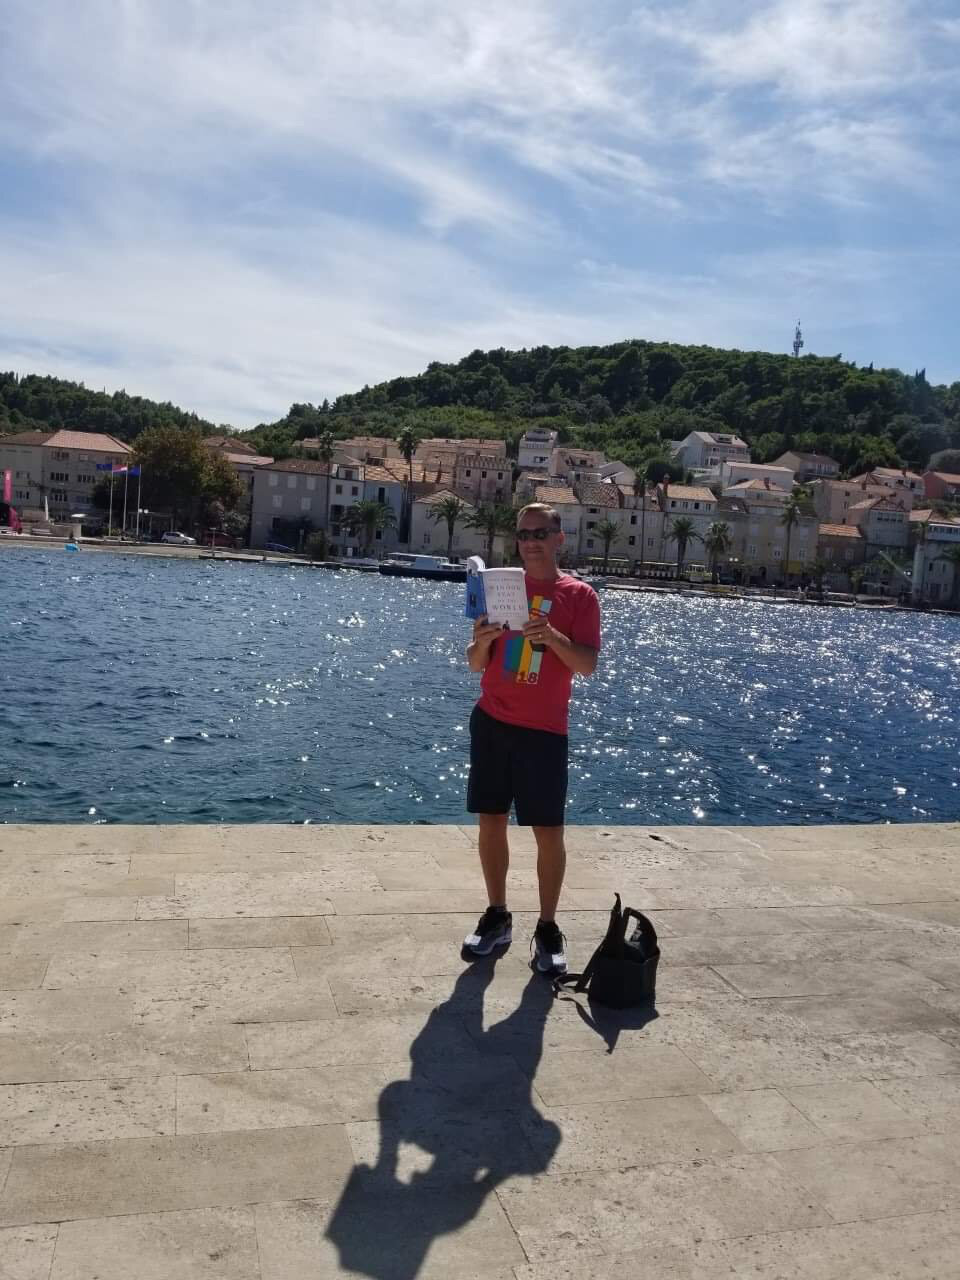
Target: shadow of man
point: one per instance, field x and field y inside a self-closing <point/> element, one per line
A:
<point x="468" y="1104"/>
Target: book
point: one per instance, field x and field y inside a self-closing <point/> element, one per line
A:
<point x="500" y="594"/>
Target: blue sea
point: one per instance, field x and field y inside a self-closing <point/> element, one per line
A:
<point x="137" y="689"/>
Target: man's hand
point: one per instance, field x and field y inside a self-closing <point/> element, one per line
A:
<point x="539" y="631"/>
<point x="478" y="650"/>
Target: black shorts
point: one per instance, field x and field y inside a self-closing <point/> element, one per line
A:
<point x="513" y="766"/>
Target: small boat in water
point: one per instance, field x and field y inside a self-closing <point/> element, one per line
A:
<point x="409" y="565"/>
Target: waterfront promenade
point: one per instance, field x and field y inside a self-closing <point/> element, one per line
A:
<point x="234" y="1053"/>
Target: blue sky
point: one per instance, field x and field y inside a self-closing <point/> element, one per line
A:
<point x="235" y="206"/>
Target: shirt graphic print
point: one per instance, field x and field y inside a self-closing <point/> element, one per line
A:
<point x="520" y="658"/>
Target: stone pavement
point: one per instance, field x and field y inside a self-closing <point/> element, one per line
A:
<point x="229" y="1053"/>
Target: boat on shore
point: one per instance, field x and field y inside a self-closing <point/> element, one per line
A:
<point x="404" y="564"/>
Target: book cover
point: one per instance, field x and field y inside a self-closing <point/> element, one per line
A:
<point x="500" y="594"/>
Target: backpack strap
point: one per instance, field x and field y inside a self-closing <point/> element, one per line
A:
<point x="581" y="980"/>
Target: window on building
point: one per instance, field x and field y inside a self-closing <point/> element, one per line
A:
<point x="591" y="524"/>
<point x="752" y="550"/>
<point x="61" y="476"/>
<point x="277" y="523"/>
<point x="696" y="506"/>
<point x="649" y="542"/>
<point x="354" y="491"/>
<point x="304" y="504"/>
<point x="633" y="519"/>
<point x="589" y="543"/>
<point x="86" y="479"/>
<point x="778" y="553"/>
<point x="60" y="456"/>
<point x="22" y="495"/>
<point x="58" y="495"/>
<point x="338" y="488"/>
<point x="848" y="553"/>
<point x="631" y="540"/>
<point x="379" y="534"/>
<point x="426" y="539"/>
<point x="381" y="494"/>
<point x="468" y="471"/>
<point x="274" y="480"/>
<point x="311" y="483"/>
<point x="483" y="475"/>
<point x="277" y="500"/>
<point x="499" y="475"/>
<point x="291" y="482"/>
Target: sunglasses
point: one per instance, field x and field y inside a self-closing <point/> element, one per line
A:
<point x="534" y="535"/>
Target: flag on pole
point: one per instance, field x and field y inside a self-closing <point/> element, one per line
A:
<point x="119" y="468"/>
<point x="133" y="471"/>
<point x="104" y="466"/>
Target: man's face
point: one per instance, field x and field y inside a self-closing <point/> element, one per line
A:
<point x="538" y="543"/>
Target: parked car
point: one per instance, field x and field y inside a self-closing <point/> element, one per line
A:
<point x="278" y="546"/>
<point x="179" y="539"/>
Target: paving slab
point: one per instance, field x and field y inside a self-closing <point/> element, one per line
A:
<point x="255" y="1053"/>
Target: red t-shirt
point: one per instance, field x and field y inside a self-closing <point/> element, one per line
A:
<point x="532" y="689"/>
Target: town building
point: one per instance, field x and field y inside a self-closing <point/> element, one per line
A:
<point x="936" y="578"/>
<point x="536" y="446"/>
<point x="941" y="485"/>
<point x="757" y="493"/>
<point x="832" y="499"/>
<point x="732" y="473"/>
<point x="808" y="466"/>
<point x="483" y="478"/>
<point x="567" y="505"/>
<point x="576" y="466"/>
<point x="707" y="450"/>
<point x="55" y="472"/>
<point x="900" y="482"/>
<point x="883" y="521"/>
<point x="841" y="547"/>
<point x="430" y="535"/>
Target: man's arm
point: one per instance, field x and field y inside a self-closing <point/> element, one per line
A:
<point x="580" y="658"/>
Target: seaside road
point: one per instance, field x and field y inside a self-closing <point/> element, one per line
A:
<point x="254" y="1053"/>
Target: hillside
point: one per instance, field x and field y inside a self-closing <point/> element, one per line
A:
<point x="629" y="399"/>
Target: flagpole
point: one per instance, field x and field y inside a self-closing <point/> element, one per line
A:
<point x="125" y="479"/>
<point x="110" y="516"/>
<point x="139" y="483"/>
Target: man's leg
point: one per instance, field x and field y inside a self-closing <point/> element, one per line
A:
<point x="551" y="865"/>
<point x="494" y="856"/>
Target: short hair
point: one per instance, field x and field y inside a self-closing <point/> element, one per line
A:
<point x="540" y="509"/>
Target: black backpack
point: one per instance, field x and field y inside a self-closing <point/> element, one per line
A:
<point x="622" y="972"/>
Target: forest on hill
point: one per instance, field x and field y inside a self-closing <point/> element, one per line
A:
<point x="629" y="399"/>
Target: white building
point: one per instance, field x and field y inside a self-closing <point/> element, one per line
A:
<point x="536" y="446"/>
<point x="576" y="466"/>
<point x="884" y="522"/>
<point x="934" y="577"/>
<point x="900" y="482"/>
<point x="707" y="450"/>
<point x="757" y="493"/>
<point x="58" y="468"/>
<point x="808" y="466"/>
<point x="430" y="536"/>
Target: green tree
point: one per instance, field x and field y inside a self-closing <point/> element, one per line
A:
<point x="407" y="439"/>
<point x="947" y="460"/>
<point x="325" y="450"/>
<point x="180" y="474"/>
<point x="608" y="531"/>
<point x="857" y="575"/>
<point x="491" y="519"/>
<point x="717" y="543"/>
<point x="365" y="518"/>
<point x="317" y="545"/>
<point x="682" y="532"/>
<point x="793" y="509"/>
<point x="450" y="509"/>
<point x="818" y="571"/>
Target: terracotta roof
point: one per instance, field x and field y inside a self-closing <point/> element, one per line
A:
<point x="251" y="459"/>
<point x="945" y="476"/>
<point x="432" y="499"/>
<point x="762" y="486"/>
<point x="920" y="515"/>
<point x="808" y="457"/>
<point x="556" y="496"/>
<point x="689" y="492"/>
<point x="303" y="466"/>
<point x="839" y="531"/>
<point x="879" y="503"/>
<point x="233" y="443"/>
<point x="27" y="437"/>
<point x="497" y="461"/>
<point x="889" y="473"/>
<point x="95" y="441"/>
<point x="598" y="495"/>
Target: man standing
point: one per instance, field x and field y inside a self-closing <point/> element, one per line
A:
<point x="518" y="731"/>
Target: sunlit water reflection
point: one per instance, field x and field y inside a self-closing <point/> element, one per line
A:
<point x="138" y="690"/>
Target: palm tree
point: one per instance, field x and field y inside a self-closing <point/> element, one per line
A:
<point x="682" y="531"/>
<point x="609" y="531"/>
<point x="407" y="444"/>
<point x="952" y="555"/>
<point x="819" y="570"/>
<point x="857" y="575"/>
<point x="366" y="518"/>
<point x="451" y="509"/>
<point x="640" y="492"/>
<point x="492" y="518"/>
<point x="325" y="451"/>
<point x="717" y="543"/>
<point x="794" y="507"/>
